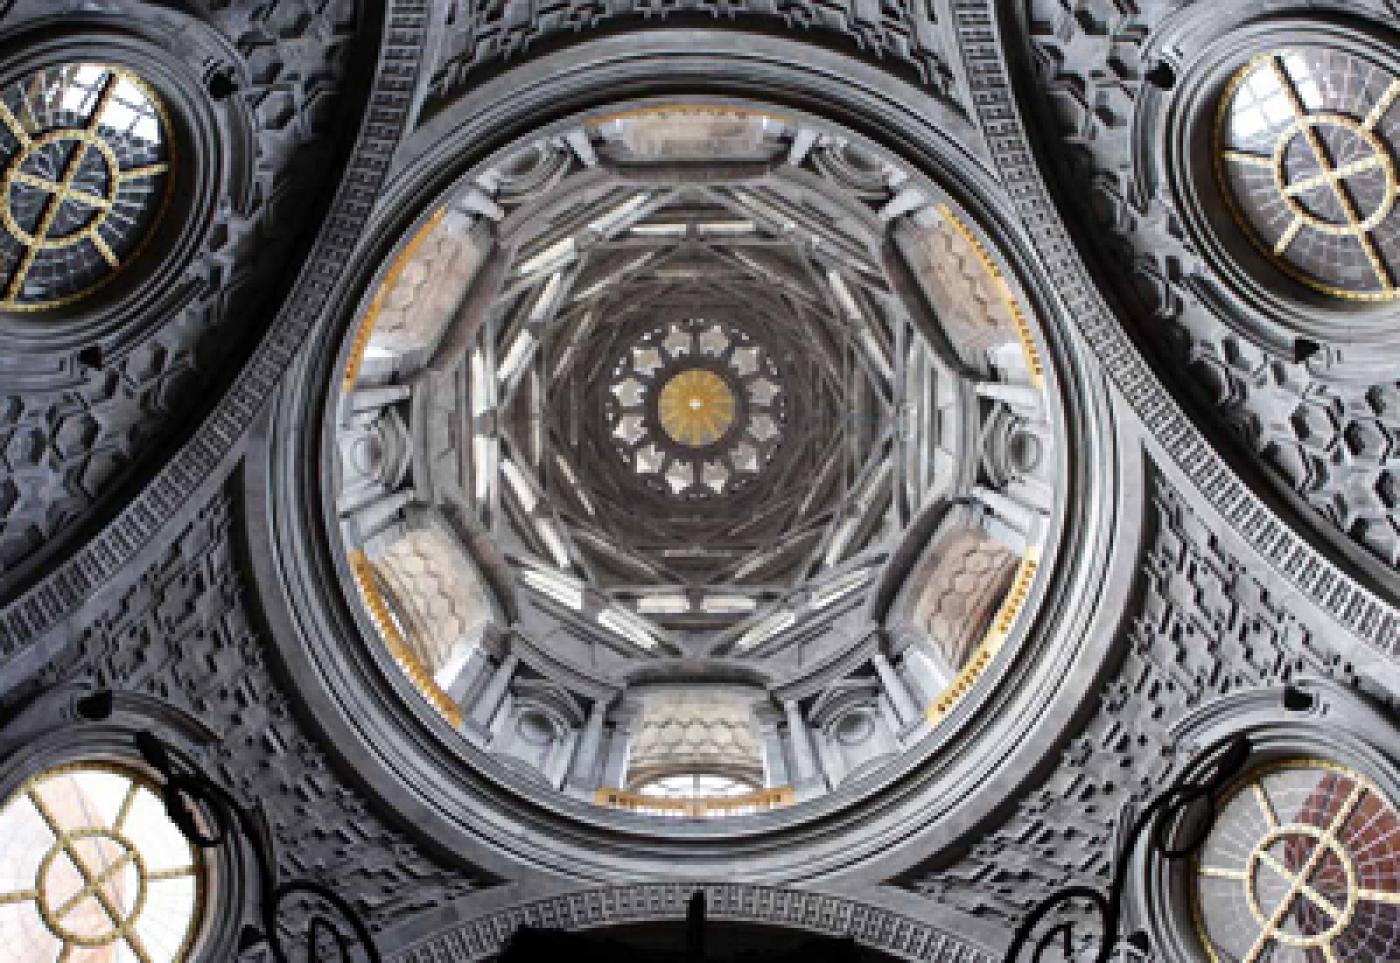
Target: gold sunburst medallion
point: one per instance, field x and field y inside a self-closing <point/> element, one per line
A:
<point x="696" y="407"/>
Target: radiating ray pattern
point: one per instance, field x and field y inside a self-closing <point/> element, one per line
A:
<point x="696" y="407"/>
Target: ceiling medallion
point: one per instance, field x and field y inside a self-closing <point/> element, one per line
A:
<point x="696" y="407"/>
<point x="717" y="398"/>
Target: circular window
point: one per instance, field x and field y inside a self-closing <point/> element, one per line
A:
<point x="92" y="868"/>
<point x="1302" y="864"/>
<point x="535" y="728"/>
<point x="855" y="728"/>
<point x="1305" y="146"/>
<point x="85" y="168"/>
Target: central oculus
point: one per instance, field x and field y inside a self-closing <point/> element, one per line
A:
<point x="696" y="407"/>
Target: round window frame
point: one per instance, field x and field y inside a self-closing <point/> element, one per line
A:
<point x="52" y="734"/>
<point x="1326" y="722"/>
<point x="138" y="776"/>
<point x="1245" y="286"/>
<point x="137" y="295"/>
<point x="300" y="570"/>
<point x="1240" y="785"/>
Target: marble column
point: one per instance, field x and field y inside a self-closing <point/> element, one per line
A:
<point x="490" y="699"/>
<point x="476" y="665"/>
<point x="367" y="399"/>
<point x="801" y="741"/>
<point x="586" y="758"/>
<point x="1019" y="516"/>
<point x="379" y="513"/>
<point x="1018" y="396"/>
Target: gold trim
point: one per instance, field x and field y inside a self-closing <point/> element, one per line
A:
<point x="695" y="407"/>
<point x="366" y="329"/>
<point x="89" y="139"/>
<point x="123" y="923"/>
<point x="1303" y="124"/>
<point x="413" y="667"/>
<point x="1327" y="843"/>
<point x="1029" y="350"/>
<point x="997" y="634"/>
<point x="700" y="807"/>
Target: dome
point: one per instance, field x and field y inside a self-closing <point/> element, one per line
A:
<point x="767" y="480"/>
<point x="692" y="400"/>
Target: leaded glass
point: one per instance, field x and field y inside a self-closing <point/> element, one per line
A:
<point x="1301" y="866"/>
<point x="1305" y="148"/>
<point x="92" y="868"/>
<point x="85" y="169"/>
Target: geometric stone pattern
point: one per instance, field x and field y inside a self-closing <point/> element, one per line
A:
<point x="63" y="445"/>
<point x="422" y="297"/>
<point x="996" y="113"/>
<point x="1336" y="444"/>
<point x="966" y="585"/>
<point x="1206" y="627"/>
<point x="182" y="634"/>
<point x="910" y="939"/>
<point x="436" y="594"/>
<point x="973" y="312"/>
<point x="64" y="586"/>
<point x="901" y="34"/>
<point x="694" y="731"/>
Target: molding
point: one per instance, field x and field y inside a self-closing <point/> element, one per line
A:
<point x="929" y="799"/>
<point x="902" y="936"/>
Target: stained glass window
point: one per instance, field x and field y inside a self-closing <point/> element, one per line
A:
<point x="695" y="786"/>
<point x="1306" y="143"/>
<point x="85" y="162"/>
<point x="1301" y="866"/>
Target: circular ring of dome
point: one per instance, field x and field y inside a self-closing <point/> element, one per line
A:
<point x="311" y="598"/>
<point x="1295" y="250"/>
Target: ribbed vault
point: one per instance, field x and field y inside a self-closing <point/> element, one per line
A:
<point x="693" y="383"/>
